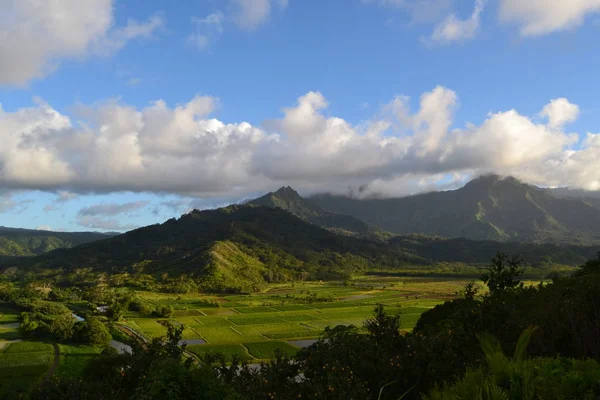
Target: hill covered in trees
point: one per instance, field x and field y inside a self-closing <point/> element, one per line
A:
<point x="288" y="199"/>
<point x="29" y="242"/>
<point x="241" y="248"/>
<point x="487" y="208"/>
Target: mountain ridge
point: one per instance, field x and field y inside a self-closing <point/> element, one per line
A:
<point x="244" y="247"/>
<point x="288" y="199"/>
<point x="490" y="207"/>
<point x="18" y="242"/>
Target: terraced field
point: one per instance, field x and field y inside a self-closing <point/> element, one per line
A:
<point x="291" y="312"/>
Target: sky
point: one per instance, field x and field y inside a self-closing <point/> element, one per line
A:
<point x="116" y="114"/>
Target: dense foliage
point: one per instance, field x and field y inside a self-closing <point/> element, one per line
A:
<point x="29" y="242"/>
<point x="242" y="248"/>
<point x="458" y="347"/>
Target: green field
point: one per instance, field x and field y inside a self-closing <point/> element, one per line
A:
<point x="22" y="364"/>
<point x="268" y="350"/>
<point x="228" y="350"/>
<point x="294" y="311"/>
<point x="74" y="358"/>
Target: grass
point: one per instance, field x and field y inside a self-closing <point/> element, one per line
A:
<point x="8" y="315"/>
<point x="255" y="320"/>
<point x="74" y="359"/>
<point x="21" y="365"/>
<point x="28" y="347"/>
<point x="250" y="310"/>
<point x="268" y="350"/>
<point x="227" y="350"/>
<point x="283" y="311"/>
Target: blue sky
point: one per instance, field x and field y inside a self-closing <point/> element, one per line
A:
<point x="129" y="112"/>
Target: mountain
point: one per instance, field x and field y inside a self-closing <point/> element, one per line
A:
<point x="590" y="197"/>
<point x="240" y="248"/>
<point x="288" y="199"/>
<point x="29" y="242"/>
<point x="488" y="208"/>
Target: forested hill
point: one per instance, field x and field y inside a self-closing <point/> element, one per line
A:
<point x="246" y="246"/>
<point x="289" y="200"/>
<point x="29" y="242"/>
<point x="487" y="208"/>
<point x="590" y="197"/>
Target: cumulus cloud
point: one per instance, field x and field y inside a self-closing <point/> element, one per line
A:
<point x="44" y="228"/>
<point x="560" y="112"/>
<point x="452" y="29"/>
<point x="250" y="14"/>
<point x="538" y="17"/>
<point x="183" y="150"/>
<point x="35" y="36"/>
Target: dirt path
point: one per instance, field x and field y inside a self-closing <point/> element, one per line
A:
<point x="54" y="365"/>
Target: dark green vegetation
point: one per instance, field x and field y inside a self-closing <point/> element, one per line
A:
<point x="515" y="342"/>
<point x="242" y="248"/>
<point x="22" y="365"/>
<point x="489" y="207"/>
<point x="288" y="199"/>
<point x="29" y="242"/>
<point x="590" y="197"/>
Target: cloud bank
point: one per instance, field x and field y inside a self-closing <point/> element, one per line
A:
<point x="163" y="149"/>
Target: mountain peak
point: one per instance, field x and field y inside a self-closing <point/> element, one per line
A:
<point x="490" y="179"/>
<point x="287" y="192"/>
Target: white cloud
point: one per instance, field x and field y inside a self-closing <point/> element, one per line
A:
<point x="35" y="36"/>
<point x="183" y="150"/>
<point x="560" y="112"/>
<point x="250" y="14"/>
<point x="207" y="29"/>
<point x="452" y="29"/>
<point x="44" y="228"/>
<point x="538" y="17"/>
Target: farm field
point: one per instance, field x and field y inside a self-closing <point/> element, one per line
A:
<point x="22" y="364"/>
<point x="239" y="323"/>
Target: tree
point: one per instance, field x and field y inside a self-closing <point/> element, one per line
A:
<point x="503" y="273"/>
<point x="94" y="332"/>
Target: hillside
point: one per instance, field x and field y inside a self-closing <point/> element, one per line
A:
<point x="243" y="247"/>
<point x="487" y="208"/>
<point x="28" y="242"/>
<point x="590" y="197"/>
<point x="288" y="199"/>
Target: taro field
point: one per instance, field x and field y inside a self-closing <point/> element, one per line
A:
<point x="22" y="364"/>
<point x="287" y="317"/>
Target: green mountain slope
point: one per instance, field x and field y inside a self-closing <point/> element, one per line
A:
<point x="288" y="199"/>
<point x="590" y="197"/>
<point x="243" y="247"/>
<point x="29" y="242"/>
<point x="487" y="208"/>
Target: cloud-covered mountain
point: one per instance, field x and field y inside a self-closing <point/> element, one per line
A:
<point x="490" y="207"/>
